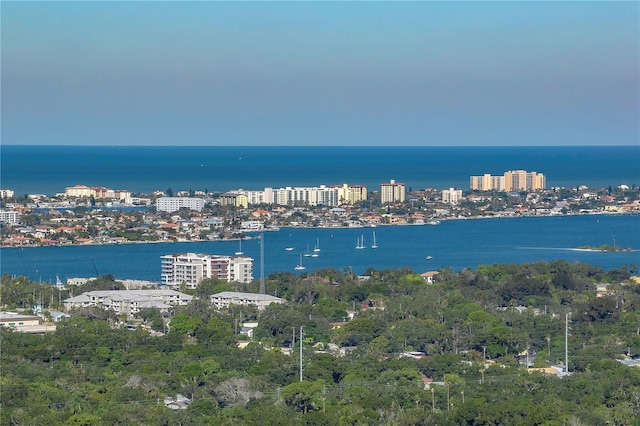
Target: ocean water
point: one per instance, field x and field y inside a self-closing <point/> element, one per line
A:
<point x="455" y="243"/>
<point x="49" y="169"/>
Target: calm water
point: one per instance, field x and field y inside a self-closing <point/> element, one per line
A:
<point x="49" y="169"/>
<point x="458" y="244"/>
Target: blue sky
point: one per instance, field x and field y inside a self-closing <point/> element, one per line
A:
<point x="320" y="73"/>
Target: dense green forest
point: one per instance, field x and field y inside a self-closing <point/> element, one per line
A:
<point x="471" y="325"/>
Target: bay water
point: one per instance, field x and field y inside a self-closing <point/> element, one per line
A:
<point x="453" y="243"/>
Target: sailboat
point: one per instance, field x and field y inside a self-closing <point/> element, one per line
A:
<point x="240" y="249"/>
<point x="375" y="244"/>
<point x="360" y="243"/>
<point x="317" y="249"/>
<point x="299" y="267"/>
<point x="307" y="254"/>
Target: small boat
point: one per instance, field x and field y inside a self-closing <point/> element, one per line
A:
<point x="375" y="244"/>
<point x="307" y="254"/>
<point x="317" y="248"/>
<point x="429" y="257"/>
<point x="360" y="243"/>
<point x="240" y="249"/>
<point x="299" y="267"/>
<point x="289" y="248"/>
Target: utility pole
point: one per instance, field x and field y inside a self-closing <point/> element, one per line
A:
<point x="301" y="352"/>
<point x="566" y="343"/>
<point x="433" y="401"/>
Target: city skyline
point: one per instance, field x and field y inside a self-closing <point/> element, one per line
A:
<point x="316" y="73"/>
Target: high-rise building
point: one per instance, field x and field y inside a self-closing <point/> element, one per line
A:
<point x="234" y="199"/>
<point x="351" y="194"/>
<point x="191" y="268"/>
<point x="451" y="196"/>
<point x="512" y="180"/>
<point x="392" y="192"/>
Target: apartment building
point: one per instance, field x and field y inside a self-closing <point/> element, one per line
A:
<point x="486" y="182"/>
<point x="191" y="268"/>
<point x="227" y="298"/>
<point x="451" y="196"/>
<point x="351" y="194"/>
<point x="128" y="302"/>
<point x="173" y="204"/>
<point x="392" y="192"/>
<point x="9" y="216"/>
<point x="234" y="199"/>
<point x="6" y="193"/>
<point x="512" y="180"/>
<point x="307" y="196"/>
<point x="78" y="191"/>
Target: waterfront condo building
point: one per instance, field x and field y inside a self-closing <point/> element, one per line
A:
<point x="392" y="192"/>
<point x="173" y="204"/>
<point x="191" y="268"/>
<point x="78" y="191"/>
<point x="487" y="182"/>
<point x="306" y="196"/>
<point x="234" y="199"/>
<point x="512" y="180"/>
<point x="9" y="216"/>
<point x="451" y="196"/>
<point x="351" y="194"/>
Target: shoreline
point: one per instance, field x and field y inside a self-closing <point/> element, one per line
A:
<point x="335" y="227"/>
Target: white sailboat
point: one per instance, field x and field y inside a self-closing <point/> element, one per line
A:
<point x="307" y="254"/>
<point x="239" y="252"/>
<point x="317" y="248"/>
<point x="300" y="266"/>
<point x="360" y="243"/>
<point x="375" y="244"/>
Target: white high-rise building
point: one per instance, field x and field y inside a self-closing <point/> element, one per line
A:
<point x="451" y="196"/>
<point x="392" y="192"/>
<point x="191" y="268"/>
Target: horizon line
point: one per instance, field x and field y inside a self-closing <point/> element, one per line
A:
<point x="323" y="146"/>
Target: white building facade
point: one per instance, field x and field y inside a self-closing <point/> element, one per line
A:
<point x="227" y="298"/>
<point x="128" y="302"/>
<point x="451" y="196"/>
<point x="173" y="204"/>
<point x="192" y="268"/>
<point x="9" y="216"/>
<point x="392" y="192"/>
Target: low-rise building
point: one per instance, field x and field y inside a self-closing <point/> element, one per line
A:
<point x="173" y="204"/>
<point x="128" y="302"/>
<point x="226" y="298"/>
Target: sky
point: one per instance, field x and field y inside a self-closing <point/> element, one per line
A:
<point x="320" y="73"/>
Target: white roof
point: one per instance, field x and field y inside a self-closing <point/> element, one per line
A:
<point x="245" y="296"/>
